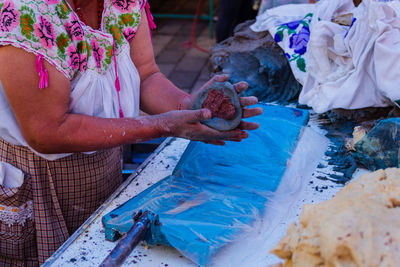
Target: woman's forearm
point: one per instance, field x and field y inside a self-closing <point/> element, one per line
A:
<point x="80" y="133"/>
<point x="159" y="95"/>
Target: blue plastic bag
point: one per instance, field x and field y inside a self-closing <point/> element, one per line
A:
<point x="215" y="192"/>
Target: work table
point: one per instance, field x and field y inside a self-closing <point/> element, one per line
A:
<point x="88" y="246"/>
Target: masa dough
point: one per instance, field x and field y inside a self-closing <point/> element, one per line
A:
<point x="360" y="226"/>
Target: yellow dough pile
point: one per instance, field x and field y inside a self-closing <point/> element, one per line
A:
<point x="360" y="226"/>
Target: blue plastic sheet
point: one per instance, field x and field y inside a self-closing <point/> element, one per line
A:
<point x="215" y="192"/>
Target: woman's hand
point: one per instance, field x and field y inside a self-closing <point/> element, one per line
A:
<point x="186" y="124"/>
<point x="244" y="101"/>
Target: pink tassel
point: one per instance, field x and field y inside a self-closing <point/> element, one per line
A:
<point x="117" y="83"/>
<point x="150" y="19"/>
<point x="42" y="72"/>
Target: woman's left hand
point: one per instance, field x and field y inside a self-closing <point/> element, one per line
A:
<point x="244" y="101"/>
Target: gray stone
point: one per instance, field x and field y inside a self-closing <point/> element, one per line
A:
<point x="258" y="60"/>
<point x="358" y="115"/>
<point x="379" y="149"/>
<point x="219" y="123"/>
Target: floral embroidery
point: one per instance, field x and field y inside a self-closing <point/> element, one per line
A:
<point x="8" y="17"/>
<point x="78" y="56"/>
<point x="122" y="19"/>
<point x="98" y="52"/>
<point x="63" y="41"/>
<point x="126" y="20"/>
<point x="109" y="53"/>
<point x="299" y="41"/>
<point x="51" y="2"/>
<point x="44" y="30"/>
<point x="83" y="61"/>
<point x="129" y="33"/>
<point x="85" y="51"/>
<point x="50" y="28"/>
<point x="116" y="33"/>
<point x="298" y="33"/>
<point x="26" y="23"/>
<point x="73" y="55"/>
<point x="74" y="29"/>
<point x="63" y="10"/>
<point x="124" y="5"/>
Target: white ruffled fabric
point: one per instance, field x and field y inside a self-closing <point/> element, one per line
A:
<point x="347" y="67"/>
<point x="92" y="94"/>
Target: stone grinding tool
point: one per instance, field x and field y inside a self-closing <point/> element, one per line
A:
<point x="219" y="123"/>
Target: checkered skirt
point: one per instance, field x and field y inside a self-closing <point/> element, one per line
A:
<point x="64" y="194"/>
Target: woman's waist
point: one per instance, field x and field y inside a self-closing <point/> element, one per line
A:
<point x="21" y="149"/>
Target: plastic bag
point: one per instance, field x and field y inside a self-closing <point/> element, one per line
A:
<point x="216" y="193"/>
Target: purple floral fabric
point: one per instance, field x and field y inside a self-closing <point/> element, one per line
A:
<point x="294" y="37"/>
<point x="293" y="25"/>
<point x="52" y="29"/>
<point x="299" y="41"/>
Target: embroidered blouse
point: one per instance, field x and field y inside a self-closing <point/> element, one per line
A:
<point x="104" y="80"/>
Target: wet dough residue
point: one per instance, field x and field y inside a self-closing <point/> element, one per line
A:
<point x="360" y="226"/>
<point x="220" y="105"/>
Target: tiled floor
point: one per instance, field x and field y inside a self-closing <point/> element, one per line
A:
<point x="186" y="67"/>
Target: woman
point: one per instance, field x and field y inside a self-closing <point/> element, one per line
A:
<point x="68" y="89"/>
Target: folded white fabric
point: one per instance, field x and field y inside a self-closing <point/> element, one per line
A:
<point x="10" y="176"/>
<point x="353" y="67"/>
<point x="346" y="67"/>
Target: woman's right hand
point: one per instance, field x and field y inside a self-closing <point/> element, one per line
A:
<point x="187" y="124"/>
